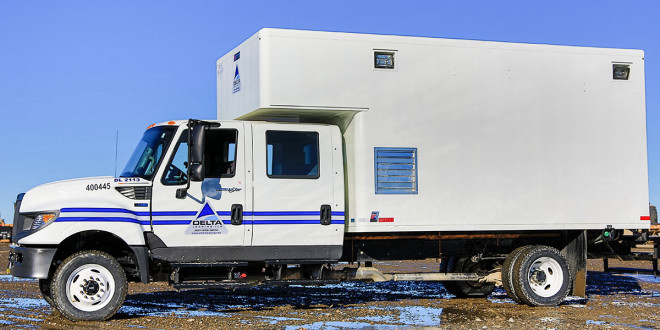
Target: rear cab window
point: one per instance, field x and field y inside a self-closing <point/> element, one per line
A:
<point x="292" y="154"/>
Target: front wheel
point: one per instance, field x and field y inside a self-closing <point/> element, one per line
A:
<point x="540" y="276"/>
<point x="89" y="286"/>
<point x="44" y="288"/>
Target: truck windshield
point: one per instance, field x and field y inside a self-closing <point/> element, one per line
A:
<point x="149" y="151"/>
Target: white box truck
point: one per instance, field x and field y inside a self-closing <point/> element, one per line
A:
<point x="506" y="162"/>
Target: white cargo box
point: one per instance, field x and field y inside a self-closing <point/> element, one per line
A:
<point x="459" y="135"/>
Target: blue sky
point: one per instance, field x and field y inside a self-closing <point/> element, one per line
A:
<point x="73" y="73"/>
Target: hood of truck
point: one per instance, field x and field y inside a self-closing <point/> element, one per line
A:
<point x="83" y="192"/>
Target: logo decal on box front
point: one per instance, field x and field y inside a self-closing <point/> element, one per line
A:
<point x="237" y="82"/>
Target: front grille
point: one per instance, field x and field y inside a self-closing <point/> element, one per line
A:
<point x="140" y="192"/>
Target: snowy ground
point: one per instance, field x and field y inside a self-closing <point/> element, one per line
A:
<point x="614" y="301"/>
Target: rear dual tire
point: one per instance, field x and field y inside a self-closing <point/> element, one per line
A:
<point x="537" y="276"/>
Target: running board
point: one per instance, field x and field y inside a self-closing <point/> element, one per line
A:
<point x="234" y="284"/>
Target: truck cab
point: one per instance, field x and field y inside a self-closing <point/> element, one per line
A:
<point x="194" y="194"/>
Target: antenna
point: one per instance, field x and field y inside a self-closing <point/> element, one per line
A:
<point x="116" y="147"/>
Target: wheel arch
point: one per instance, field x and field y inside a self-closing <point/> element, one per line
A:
<point x="133" y="259"/>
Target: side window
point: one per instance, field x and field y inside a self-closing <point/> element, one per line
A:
<point x="175" y="173"/>
<point x="291" y="154"/>
<point x="220" y="153"/>
<point x="219" y="157"/>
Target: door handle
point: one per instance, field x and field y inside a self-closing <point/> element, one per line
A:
<point x="326" y="214"/>
<point x="237" y="214"/>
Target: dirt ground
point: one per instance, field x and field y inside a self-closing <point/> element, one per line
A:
<point x="616" y="301"/>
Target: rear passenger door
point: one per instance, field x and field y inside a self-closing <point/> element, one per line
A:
<point x="293" y="180"/>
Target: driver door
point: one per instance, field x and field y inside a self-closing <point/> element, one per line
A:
<point x="202" y="217"/>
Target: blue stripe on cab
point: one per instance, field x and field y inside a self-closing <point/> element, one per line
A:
<point x="171" y="222"/>
<point x="165" y="221"/>
<point x="101" y="219"/>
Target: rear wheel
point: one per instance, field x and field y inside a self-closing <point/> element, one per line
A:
<point x="467" y="289"/>
<point x="507" y="272"/>
<point x="89" y="286"/>
<point x="541" y="276"/>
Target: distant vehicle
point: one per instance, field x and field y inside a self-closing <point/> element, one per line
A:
<point x="503" y="160"/>
<point x="5" y="231"/>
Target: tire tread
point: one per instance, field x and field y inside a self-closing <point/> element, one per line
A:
<point x="60" y="300"/>
<point x="519" y="277"/>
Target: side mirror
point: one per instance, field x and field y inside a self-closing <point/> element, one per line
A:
<point x="197" y="172"/>
<point x="196" y="166"/>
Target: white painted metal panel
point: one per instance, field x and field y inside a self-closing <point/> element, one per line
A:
<point x="508" y="136"/>
<point x="287" y="210"/>
<point x="82" y="209"/>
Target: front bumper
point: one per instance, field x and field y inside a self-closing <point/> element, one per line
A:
<point x="30" y="262"/>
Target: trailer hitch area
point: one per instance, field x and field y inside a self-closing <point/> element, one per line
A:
<point x="610" y="234"/>
<point x="14" y="258"/>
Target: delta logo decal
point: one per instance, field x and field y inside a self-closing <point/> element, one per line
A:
<point x="206" y="222"/>
<point x="237" y="82"/>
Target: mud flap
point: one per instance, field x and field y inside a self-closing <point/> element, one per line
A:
<point x="575" y="251"/>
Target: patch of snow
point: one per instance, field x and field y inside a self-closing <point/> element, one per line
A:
<point x="644" y="278"/>
<point x="11" y="278"/>
<point x="336" y="325"/>
<point x="420" y="316"/>
<point x="22" y="302"/>
<point x="635" y="304"/>
<point x="277" y="319"/>
<point x="379" y="318"/>
<point x="178" y="311"/>
<point x="500" y="300"/>
<point x="23" y="318"/>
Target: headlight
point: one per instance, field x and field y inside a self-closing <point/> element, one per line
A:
<point x="42" y="219"/>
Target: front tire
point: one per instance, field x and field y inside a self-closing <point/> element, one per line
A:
<point x="541" y="276"/>
<point x="89" y="286"/>
<point x="44" y="288"/>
